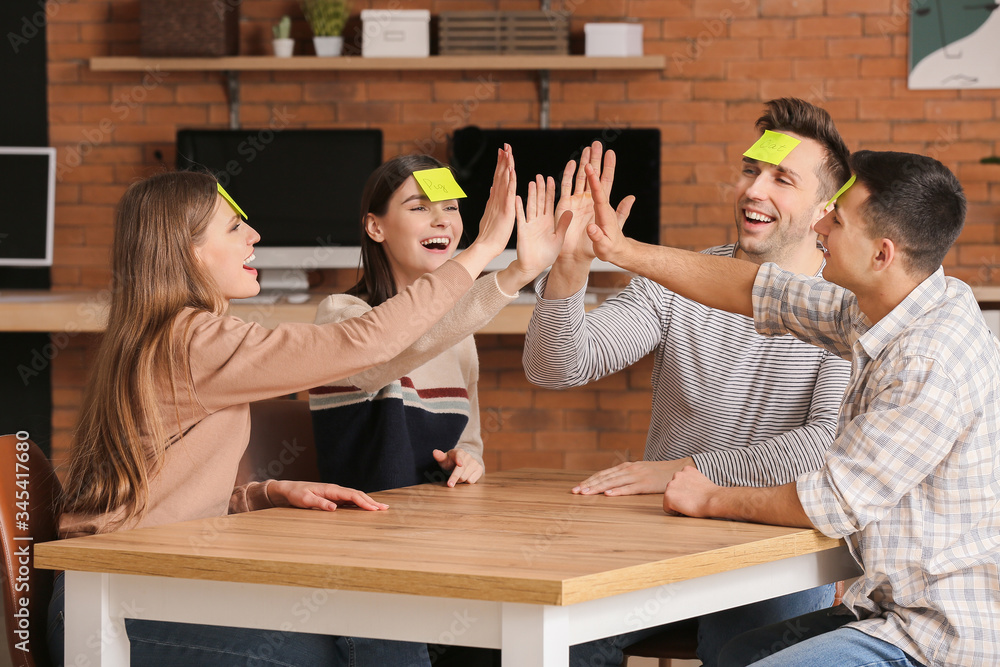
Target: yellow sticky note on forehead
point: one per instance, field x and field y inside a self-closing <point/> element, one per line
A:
<point x="841" y="191"/>
<point x="438" y="184"/>
<point x="236" y="207"/>
<point x="772" y="147"/>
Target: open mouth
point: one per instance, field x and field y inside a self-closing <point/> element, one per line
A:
<point x="247" y="261"/>
<point x="753" y="217"/>
<point x="437" y="243"/>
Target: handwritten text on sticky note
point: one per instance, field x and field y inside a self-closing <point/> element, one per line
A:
<point x="438" y="184"/>
<point x="772" y="147"/>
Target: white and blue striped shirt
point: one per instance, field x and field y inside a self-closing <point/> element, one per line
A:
<point x="751" y="410"/>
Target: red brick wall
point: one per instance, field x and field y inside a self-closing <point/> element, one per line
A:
<point x="724" y="57"/>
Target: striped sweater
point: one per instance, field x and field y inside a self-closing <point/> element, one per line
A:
<point x="376" y="430"/>
<point x="750" y="410"/>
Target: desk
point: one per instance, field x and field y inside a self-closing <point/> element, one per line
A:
<point x="514" y="562"/>
<point x="78" y="312"/>
<point x="86" y="312"/>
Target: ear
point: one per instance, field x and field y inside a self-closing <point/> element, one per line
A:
<point x="373" y="227"/>
<point x="885" y="254"/>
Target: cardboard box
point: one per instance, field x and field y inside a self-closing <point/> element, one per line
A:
<point x="395" y="33"/>
<point x="613" y="39"/>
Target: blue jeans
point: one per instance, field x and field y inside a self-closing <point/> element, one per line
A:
<point x="714" y="630"/>
<point x="818" y="639"/>
<point x="162" y="644"/>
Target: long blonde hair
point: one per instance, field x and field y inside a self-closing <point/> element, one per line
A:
<point x="121" y="439"/>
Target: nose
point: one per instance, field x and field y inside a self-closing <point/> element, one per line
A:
<point x="442" y="218"/>
<point x="757" y="190"/>
<point x="822" y="226"/>
<point x="252" y="236"/>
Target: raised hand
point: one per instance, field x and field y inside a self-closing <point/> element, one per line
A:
<point x="539" y="236"/>
<point x="497" y="222"/>
<point x="575" y="196"/>
<point x="498" y="219"/>
<point x="606" y="230"/>
<point x="570" y="272"/>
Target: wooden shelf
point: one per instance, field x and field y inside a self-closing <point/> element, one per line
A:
<point x="472" y="62"/>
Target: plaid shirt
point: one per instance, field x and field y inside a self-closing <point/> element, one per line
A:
<point x="912" y="479"/>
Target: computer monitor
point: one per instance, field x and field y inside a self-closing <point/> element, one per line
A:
<point x="27" y="195"/>
<point x="300" y="188"/>
<point x="537" y="151"/>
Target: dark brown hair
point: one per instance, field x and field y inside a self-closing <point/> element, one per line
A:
<point x="913" y="200"/>
<point x="807" y="120"/>
<point x="377" y="284"/>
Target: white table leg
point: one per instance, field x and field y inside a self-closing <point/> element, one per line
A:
<point x="95" y="636"/>
<point x="534" y="636"/>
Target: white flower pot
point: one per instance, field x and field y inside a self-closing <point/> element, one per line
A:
<point x="283" y="47"/>
<point x="328" y="46"/>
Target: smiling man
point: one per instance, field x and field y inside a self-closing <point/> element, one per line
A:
<point x="744" y="409"/>
<point x="911" y="480"/>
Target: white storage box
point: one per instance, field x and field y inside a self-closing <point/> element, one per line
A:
<point x="612" y="39"/>
<point x="393" y="33"/>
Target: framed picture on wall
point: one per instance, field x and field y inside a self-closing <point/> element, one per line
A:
<point x="953" y="44"/>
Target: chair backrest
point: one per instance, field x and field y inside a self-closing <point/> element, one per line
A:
<point x="281" y="443"/>
<point x="28" y="516"/>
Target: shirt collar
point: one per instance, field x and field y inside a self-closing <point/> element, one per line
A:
<point x="924" y="296"/>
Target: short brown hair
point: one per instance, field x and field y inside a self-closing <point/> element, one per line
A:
<point x="914" y="200"/>
<point x="808" y="120"/>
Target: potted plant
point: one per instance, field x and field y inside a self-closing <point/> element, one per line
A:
<point x="327" y="19"/>
<point x="283" y="42"/>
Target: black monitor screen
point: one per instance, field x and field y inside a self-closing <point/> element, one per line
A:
<point x="297" y="187"/>
<point x="27" y="183"/>
<point x="473" y="158"/>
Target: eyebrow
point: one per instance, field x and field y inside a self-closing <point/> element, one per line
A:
<point x="421" y="197"/>
<point x="784" y="170"/>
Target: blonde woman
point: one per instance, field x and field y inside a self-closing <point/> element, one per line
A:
<point x="165" y="418"/>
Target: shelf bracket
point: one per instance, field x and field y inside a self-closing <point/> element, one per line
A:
<point x="233" y="95"/>
<point x="543" y="99"/>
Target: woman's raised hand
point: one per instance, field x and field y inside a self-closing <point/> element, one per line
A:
<point x="540" y="235"/>
<point x="498" y="219"/>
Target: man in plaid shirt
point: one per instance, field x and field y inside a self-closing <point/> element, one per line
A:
<point x="911" y="480"/>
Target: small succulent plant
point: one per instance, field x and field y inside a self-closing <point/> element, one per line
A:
<point x="283" y="28"/>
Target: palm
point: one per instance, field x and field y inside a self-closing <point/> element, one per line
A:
<point x="578" y="245"/>
<point x="498" y="218"/>
<point x="576" y="196"/>
<point x="539" y="239"/>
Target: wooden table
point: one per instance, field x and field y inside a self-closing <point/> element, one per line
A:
<point x="514" y="562"/>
